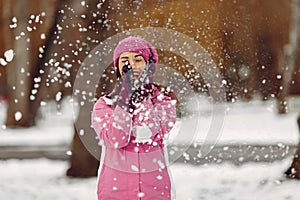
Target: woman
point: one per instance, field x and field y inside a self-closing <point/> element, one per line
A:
<point x="131" y="123"/>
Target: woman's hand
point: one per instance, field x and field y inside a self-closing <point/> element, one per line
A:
<point x="124" y="89"/>
<point x="144" y="84"/>
<point x="146" y="76"/>
<point x="129" y="91"/>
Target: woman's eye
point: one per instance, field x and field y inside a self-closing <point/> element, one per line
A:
<point x="138" y="60"/>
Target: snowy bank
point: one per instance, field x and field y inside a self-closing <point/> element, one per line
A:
<point x="247" y="123"/>
<point x="45" y="179"/>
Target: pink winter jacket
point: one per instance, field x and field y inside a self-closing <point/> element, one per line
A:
<point x="134" y="161"/>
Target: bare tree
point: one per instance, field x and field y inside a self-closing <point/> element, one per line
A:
<point x="17" y="72"/>
<point x="22" y="30"/>
<point x="5" y="40"/>
<point x="63" y="46"/>
<point x="294" y="170"/>
<point x="84" y="160"/>
<point x="291" y="51"/>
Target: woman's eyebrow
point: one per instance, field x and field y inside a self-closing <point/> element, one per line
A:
<point x="124" y="57"/>
<point x="138" y="55"/>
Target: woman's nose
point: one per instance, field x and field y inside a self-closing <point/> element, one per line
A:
<point x="132" y="64"/>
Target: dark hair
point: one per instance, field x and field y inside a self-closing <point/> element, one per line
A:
<point x="117" y="69"/>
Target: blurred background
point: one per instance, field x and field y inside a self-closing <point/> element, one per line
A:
<point x="254" y="43"/>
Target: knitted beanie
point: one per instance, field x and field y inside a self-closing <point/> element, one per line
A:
<point x="136" y="45"/>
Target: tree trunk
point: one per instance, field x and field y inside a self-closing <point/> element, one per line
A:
<point x="289" y="58"/>
<point x="41" y="71"/>
<point x="5" y="43"/>
<point x="17" y="71"/>
<point x="294" y="170"/>
<point x="82" y="163"/>
<point x="25" y="39"/>
<point x="291" y="52"/>
<point x="85" y="149"/>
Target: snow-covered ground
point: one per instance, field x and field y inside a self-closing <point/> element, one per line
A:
<point x="54" y="128"/>
<point x="43" y="179"/>
<point x="255" y="122"/>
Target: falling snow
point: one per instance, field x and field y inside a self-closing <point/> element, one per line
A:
<point x="9" y="55"/>
<point x="218" y="185"/>
<point x="3" y="62"/>
<point x="188" y="179"/>
<point x="18" y="116"/>
<point x="58" y="96"/>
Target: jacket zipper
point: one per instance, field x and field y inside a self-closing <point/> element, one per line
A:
<point x="139" y="167"/>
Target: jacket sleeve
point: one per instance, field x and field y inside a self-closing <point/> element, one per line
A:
<point x="113" y="126"/>
<point x="163" y="116"/>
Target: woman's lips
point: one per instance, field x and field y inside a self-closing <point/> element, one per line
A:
<point x="136" y="74"/>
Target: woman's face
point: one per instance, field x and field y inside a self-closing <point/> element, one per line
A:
<point x="136" y="61"/>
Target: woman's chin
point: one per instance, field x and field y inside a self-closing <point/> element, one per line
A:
<point x="136" y="80"/>
<point x="136" y="76"/>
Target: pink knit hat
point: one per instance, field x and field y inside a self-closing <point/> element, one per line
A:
<point x="136" y="45"/>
